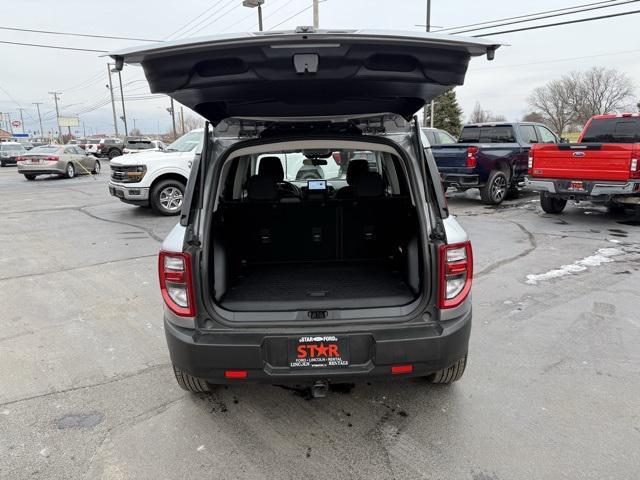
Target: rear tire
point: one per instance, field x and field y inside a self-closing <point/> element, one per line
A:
<point x="167" y="197"/>
<point x="70" y="170"/>
<point x="96" y="168"/>
<point x="29" y="176"/>
<point x="616" y="208"/>
<point x="552" y="205"/>
<point x="495" y="190"/>
<point x="2" y="163"/>
<point x="449" y="375"/>
<point x="190" y="383"/>
<point x="113" y="153"/>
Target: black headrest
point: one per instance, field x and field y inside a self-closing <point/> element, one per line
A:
<point x="369" y="185"/>
<point x="272" y="167"/>
<point x="262" y="188"/>
<point x="355" y="169"/>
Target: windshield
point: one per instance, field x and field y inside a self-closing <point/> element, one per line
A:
<point x="187" y="143"/>
<point x="613" y="130"/>
<point x="303" y="166"/>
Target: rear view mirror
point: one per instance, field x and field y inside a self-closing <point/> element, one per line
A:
<point x="317" y="153"/>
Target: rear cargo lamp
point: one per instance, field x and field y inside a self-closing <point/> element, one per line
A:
<point x="456" y="274"/>
<point x="174" y="270"/>
<point x="471" y="161"/>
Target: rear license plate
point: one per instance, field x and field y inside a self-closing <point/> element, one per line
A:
<point x="576" y="186"/>
<point x="326" y="351"/>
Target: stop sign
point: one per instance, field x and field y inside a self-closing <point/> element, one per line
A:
<point x="16" y="123"/>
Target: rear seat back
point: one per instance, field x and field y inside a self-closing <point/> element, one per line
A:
<point x="271" y="231"/>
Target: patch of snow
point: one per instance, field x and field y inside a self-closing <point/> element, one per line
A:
<point x="602" y="255"/>
<point x="4" y="412"/>
<point x="614" y="241"/>
<point x="45" y="452"/>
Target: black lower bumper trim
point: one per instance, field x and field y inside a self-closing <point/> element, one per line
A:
<point x="427" y="348"/>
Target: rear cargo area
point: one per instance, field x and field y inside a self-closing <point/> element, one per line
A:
<point x="316" y="255"/>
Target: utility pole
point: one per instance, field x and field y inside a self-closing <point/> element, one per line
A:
<point x="134" y="123"/>
<point x="428" y="30"/>
<point x="84" y="130"/>
<point x="172" y="111"/>
<point x="55" y="98"/>
<point x="21" y="119"/>
<point x="113" y="102"/>
<point x="124" y="113"/>
<point x="9" y="123"/>
<point x="316" y="14"/>
<point x="37" y="104"/>
<point x="182" y="118"/>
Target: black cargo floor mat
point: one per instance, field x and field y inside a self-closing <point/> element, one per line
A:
<point x="308" y="286"/>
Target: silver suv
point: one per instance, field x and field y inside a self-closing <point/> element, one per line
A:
<point x="314" y="243"/>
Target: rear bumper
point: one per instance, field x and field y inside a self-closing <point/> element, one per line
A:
<point x="596" y="188"/>
<point x="427" y="348"/>
<point x="57" y="168"/>
<point x="130" y="193"/>
<point x="461" y="179"/>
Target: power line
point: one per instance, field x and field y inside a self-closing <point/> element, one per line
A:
<point x="544" y="17"/>
<point x="569" y="22"/>
<point x="193" y="19"/>
<point x="193" y="27"/>
<point x="233" y="7"/>
<point x="523" y="16"/>
<point x="54" y="46"/>
<point x="292" y="16"/>
<point x="74" y="34"/>
<point x="558" y="60"/>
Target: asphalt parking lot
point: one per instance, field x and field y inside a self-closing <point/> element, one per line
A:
<point x="551" y="390"/>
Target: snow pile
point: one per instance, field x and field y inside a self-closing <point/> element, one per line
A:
<point x="603" y="255"/>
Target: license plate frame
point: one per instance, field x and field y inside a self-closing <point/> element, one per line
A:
<point x="576" y="186"/>
<point x="318" y="351"/>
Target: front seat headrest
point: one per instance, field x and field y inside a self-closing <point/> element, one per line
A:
<point x="369" y="185"/>
<point x="272" y="167"/>
<point x="355" y="169"/>
<point x="262" y="188"/>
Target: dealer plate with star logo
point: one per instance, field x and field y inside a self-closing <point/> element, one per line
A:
<point x="318" y="351"/>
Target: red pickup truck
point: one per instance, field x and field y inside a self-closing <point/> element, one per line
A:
<point x="602" y="167"/>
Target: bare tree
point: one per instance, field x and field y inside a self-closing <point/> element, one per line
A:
<point x="479" y="115"/>
<point x="574" y="98"/>
<point x="555" y="103"/>
<point x="600" y="90"/>
<point x="533" y="117"/>
<point x="192" y="122"/>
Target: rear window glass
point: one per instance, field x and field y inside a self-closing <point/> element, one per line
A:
<point x="138" y="144"/>
<point x="501" y="134"/>
<point x="93" y="142"/>
<point x="613" y="130"/>
<point x="6" y="147"/>
<point x="45" y="149"/>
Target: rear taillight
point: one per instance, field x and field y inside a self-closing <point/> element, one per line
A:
<point x="337" y="157"/>
<point x="21" y="159"/>
<point x="51" y="159"/>
<point x="634" y="171"/>
<point x="456" y="274"/>
<point x="472" y="161"/>
<point x="174" y="270"/>
<point x="530" y="162"/>
<point x="100" y="146"/>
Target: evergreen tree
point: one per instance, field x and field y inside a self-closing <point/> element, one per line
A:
<point x="447" y="113"/>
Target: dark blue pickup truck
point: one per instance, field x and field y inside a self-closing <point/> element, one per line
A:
<point x="490" y="156"/>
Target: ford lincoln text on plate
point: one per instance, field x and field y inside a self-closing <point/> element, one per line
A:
<point x="358" y="272"/>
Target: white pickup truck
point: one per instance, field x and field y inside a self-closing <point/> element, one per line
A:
<point x="157" y="178"/>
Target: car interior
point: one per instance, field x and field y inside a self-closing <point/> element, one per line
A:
<point x="310" y="228"/>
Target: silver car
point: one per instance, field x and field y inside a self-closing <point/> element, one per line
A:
<point x="67" y="160"/>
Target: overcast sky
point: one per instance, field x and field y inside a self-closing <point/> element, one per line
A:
<point x="502" y="86"/>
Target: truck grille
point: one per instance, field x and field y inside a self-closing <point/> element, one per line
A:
<point x="128" y="174"/>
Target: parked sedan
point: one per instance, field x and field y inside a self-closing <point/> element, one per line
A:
<point x="67" y="160"/>
<point x="9" y="152"/>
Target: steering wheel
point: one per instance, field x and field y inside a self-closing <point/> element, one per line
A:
<point x="290" y="188"/>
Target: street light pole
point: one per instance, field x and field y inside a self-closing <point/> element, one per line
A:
<point x="124" y="113"/>
<point x="172" y="111"/>
<point x="113" y="102"/>
<point x="37" y="104"/>
<point x="21" y="119"/>
<point x="316" y="14"/>
<point x="55" y="98"/>
<point x="253" y="4"/>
